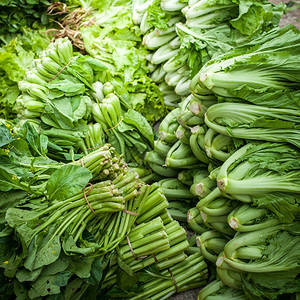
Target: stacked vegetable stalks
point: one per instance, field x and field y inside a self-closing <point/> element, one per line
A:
<point x="246" y="222"/>
<point x="78" y="227"/>
<point x="237" y="195"/>
<point x="217" y="289"/>
<point x="166" y="62"/>
<point x="265" y="66"/>
<point x="188" y="274"/>
<point x="151" y="243"/>
<point x="214" y="27"/>
<point x="56" y="98"/>
<point x="155" y="245"/>
<point x="273" y="116"/>
<point x="55" y="227"/>
<point x="181" y="151"/>
<point x="129" y="132"/>
<point x="181" y="45"/>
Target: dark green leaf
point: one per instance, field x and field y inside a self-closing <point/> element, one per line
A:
<point x="67" y="181"/>
<point x="5" y="135"/>
<point x="48" y="285"/>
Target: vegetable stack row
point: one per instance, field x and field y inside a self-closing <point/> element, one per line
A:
<point x="136" y="120"/>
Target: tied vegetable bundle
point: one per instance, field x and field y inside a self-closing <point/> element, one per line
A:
<point x="128" y="132"/>
<point x="59" y="96"/>
<point x="56" y="97"/>
<point x="70" y="228"/>
<point x="77" y="218"/>
<point x="263" y="72"/>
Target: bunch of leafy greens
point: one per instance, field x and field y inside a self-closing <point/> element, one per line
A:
<point x="56" y="97"/>
<point x="35" y="193"/>
<point x="215" y="27"/>
<point x="48" y="271"/>
<point x="269" y="265"/>
<point x="265" y="175"/>
<point x="116" y="42"/>
<point x="17" y="14"/>
<point x="15" y="57"/>
<point x="156" y="16"/>
<point x="264" y="72"/>
<point x="255" y="122"/>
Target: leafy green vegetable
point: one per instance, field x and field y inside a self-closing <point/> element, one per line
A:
<point x="265" y="175"/>
<point x="15" y="57"/>
<point x="267" y="66"/>
<point x="17" y="14"/>
<point x="67" y="180"/>
<point x="268" y="253"/>
<point x="116" y="42"/>
<point x="239" y="120"/>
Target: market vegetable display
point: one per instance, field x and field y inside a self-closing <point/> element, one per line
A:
<point x="15" y="15"/>
<point x="148" y="148"/>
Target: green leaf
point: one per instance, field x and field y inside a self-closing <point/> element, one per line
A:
<point x="58" y="113"/>
<point x="38" y="143"/>
<point x="126" y="280"/>
<point x="43" y="250"/>
<point x="49" y="285"/>
<point x="157" y="17"/>
<point x="70" y="247"/>
<point x="67" y="181"/>
<point x="83" y="267"/>
<point x="7" y="181"/>
<point x="150" y="273"/>
<point x="267" y="123"/>
<point x="9" y="199"/>
<point x="5" y="135"/>
<point x="26" y="275"/>
<point x="66" y="86"/>
<point x="96" y="273"/>
<point x="58" y="266"/>
<point x="140" y="123"/>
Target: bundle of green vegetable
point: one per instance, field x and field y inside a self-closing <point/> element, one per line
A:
<point x="56" y="96"/>
<point x="264" y="72"/>
<point x="18" y="14"/>
<point x="73" y="227"/>
<point x="254" y="122"/>
<point x="116" y="41"/>
<point x="129" y="132"/>
<point x="77" y="221"/>
<point x="185" y="275"/>
<point x="255" y="262"/>
<point x="217" y="290"/>
<point x="58" y="99"/>
<point x="15" y="57"/>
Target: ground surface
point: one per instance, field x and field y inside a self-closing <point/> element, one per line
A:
<point x="292" y="17"/>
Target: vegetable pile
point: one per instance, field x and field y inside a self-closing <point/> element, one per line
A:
<point x="123" y="126"/>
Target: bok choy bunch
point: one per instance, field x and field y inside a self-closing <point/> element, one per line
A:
<point x="264" y="263"/>
<point x="254" y="122"/>
<point x="264" y="72"/>
<point x="56" y="98"/>
<point x="265" y="175"/>
<point x="129" y="132"/>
